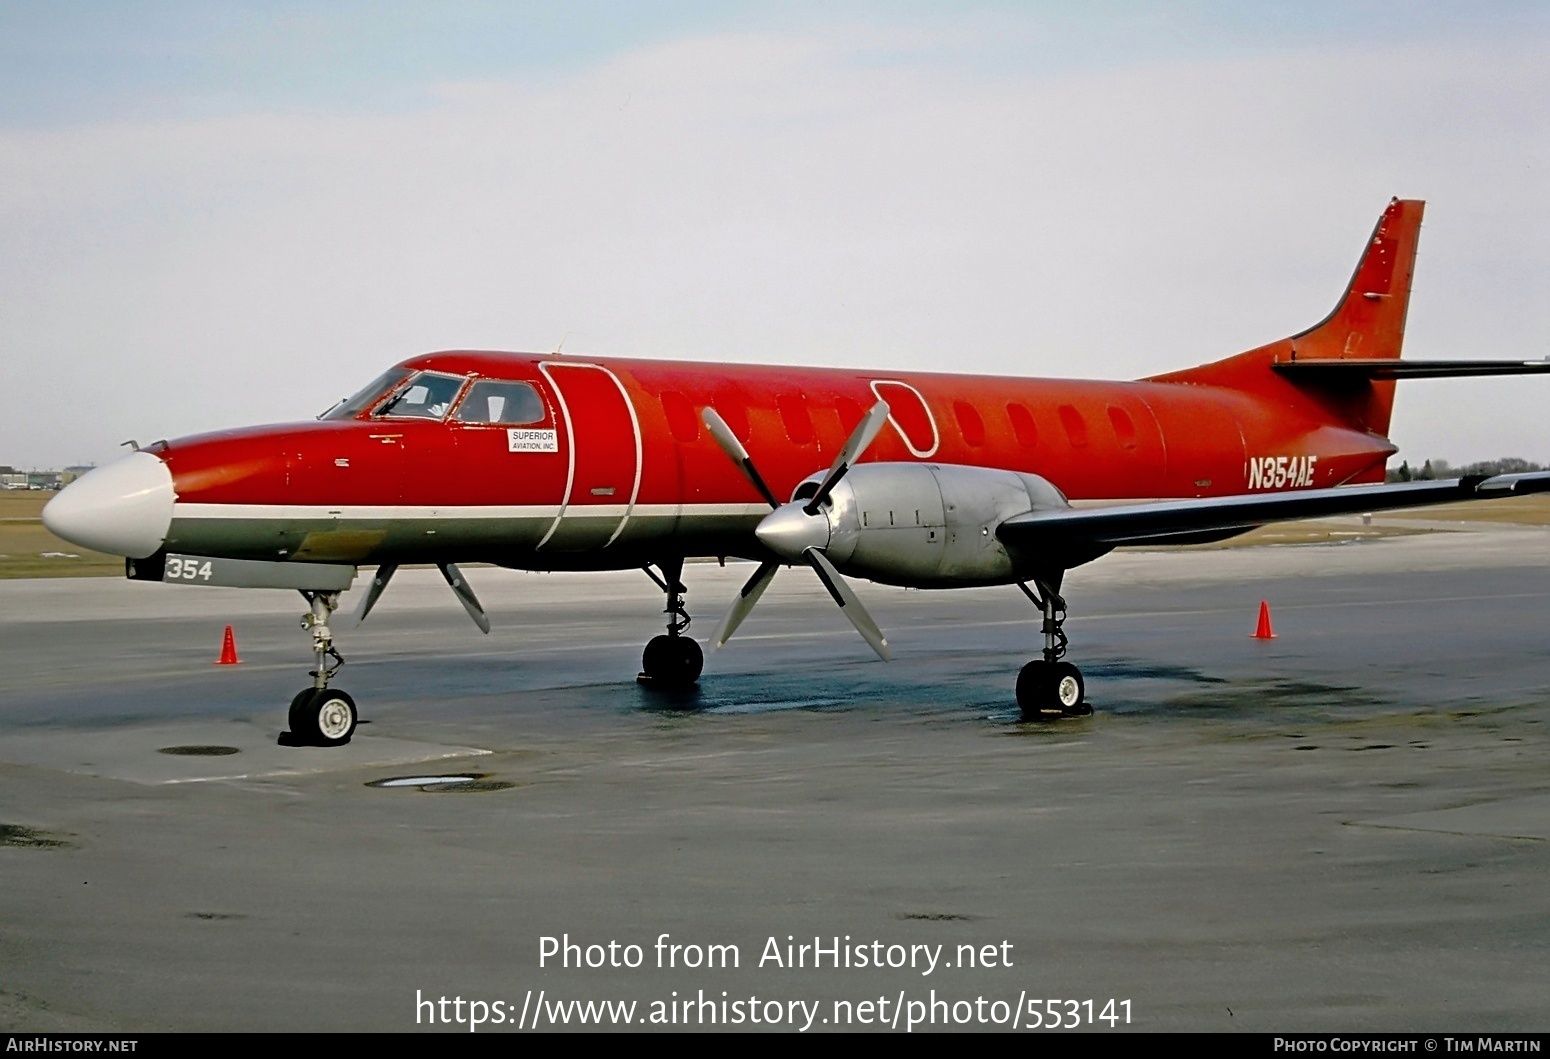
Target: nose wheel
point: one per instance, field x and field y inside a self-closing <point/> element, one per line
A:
<point x="1048" y="687"/>
<point x="673" y="661"/>
<point x="1046" y="690"/>
<point x="321" y="715"/>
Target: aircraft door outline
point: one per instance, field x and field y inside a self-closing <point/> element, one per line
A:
<point x="898" y="401"/>
<point x="575" y="443"/>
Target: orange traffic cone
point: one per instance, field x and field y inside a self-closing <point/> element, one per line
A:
<point x="228" y="651"/>
<point x="1263" y="631"/>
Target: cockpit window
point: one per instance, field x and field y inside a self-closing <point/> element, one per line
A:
<point x="351" y="407"/>
<point x="426" y="396"/>
<point x="493" y="401"/>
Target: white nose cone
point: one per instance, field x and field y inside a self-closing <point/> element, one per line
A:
<point x="122" y="508"/>
<point x="788" y="531"/>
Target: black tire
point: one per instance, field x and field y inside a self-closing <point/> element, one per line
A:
<point x="689" y="659"/>
<point x="301" y="720"/>
<point x="323" y="718"/>
<point x="672" y="661"/>
<point x="1036" y="691"/>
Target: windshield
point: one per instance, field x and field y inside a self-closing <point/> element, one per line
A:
<point x="351" y="407"/>
<point x="426" y="396"/>
<point x="494" y="401"/>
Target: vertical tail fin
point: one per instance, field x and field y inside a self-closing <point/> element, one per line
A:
<point x="1367" y="324"/>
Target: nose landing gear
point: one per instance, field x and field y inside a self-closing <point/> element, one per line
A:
<point x="320" y="715"/>
<point x="1048" y="687"/>
<point x="672" y="661"/>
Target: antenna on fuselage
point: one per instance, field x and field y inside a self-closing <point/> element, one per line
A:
<point x="561" y="346"/>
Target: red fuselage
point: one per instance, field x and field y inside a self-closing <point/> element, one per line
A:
<point x="613" y="467"/>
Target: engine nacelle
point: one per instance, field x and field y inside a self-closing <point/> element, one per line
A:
<point x="928" y="524"/>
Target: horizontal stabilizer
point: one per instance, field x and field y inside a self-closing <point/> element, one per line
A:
<point x="1173" y="521"/>
<point x="1336" y="370"/>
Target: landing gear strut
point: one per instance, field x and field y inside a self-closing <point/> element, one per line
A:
<point x="673" y="661"/>
<point x="320" y="715"/>
<point x="1048" y="686"/>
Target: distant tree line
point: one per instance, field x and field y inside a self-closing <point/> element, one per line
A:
<point x="1434" y="469"/>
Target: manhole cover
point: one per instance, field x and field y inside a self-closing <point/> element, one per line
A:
<point x="199" y="751"/>
<point x="467" y="781"/>
<point x="469" y="786"/>
<point x="426" y="781"/>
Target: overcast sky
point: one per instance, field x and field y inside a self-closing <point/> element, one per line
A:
<point x="217" y="214"/>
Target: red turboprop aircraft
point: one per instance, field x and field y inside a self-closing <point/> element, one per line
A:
<point x="545" y="462"/>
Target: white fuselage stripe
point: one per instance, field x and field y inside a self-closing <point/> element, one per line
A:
<point x="384" y="513"/>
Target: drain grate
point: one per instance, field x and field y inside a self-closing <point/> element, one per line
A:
<point x="199" y="751"/>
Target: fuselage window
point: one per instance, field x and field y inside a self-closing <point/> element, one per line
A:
<point x="1076" y="426"/>
<point x="681" y="419"/>
<point x="970" y="423"/>
<point x="1124" y="428"/>
<point x="734" y="410"/>
<point x="491" y="401"/>
<point x="850" y="413"/>
<point x="351" y="407"/>
<point x="793" y="413"/>
<point x="426" y="396"/>
<point x="1023" y="426"/>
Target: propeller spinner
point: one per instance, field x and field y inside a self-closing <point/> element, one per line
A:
<point x="798" y="532"/>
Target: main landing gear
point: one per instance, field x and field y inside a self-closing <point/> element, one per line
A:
<point x="320" y="715"/>
<point x="673" y="661"/>
<point x="1049" y="687"/>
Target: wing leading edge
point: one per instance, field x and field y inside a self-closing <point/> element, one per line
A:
<point x="1187" y="521"/>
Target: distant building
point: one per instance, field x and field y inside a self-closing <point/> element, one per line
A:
<point x="70" y="474"/>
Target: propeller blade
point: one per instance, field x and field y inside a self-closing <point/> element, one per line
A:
<point x="736" y="453"/>
<point x="465" y="595"/>
<point x="747" y="596"/>
<point x="860" y="438"/>
<point x="379" y="581"/>
<point x="849" y="603"/>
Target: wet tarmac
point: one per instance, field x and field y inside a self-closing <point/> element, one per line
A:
<point x="1344" y="828"/>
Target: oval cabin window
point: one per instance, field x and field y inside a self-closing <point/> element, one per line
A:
<point x="681" y="418"/>
<point x="1124" y="428"/>
<point x="1023" y="426"/>
<point x="1076" y="426"/>
<point x="970" y="423"/>
<point x="850" y="413"/>
<point x="734" y="410"/>
<point x="793" y="414"/>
